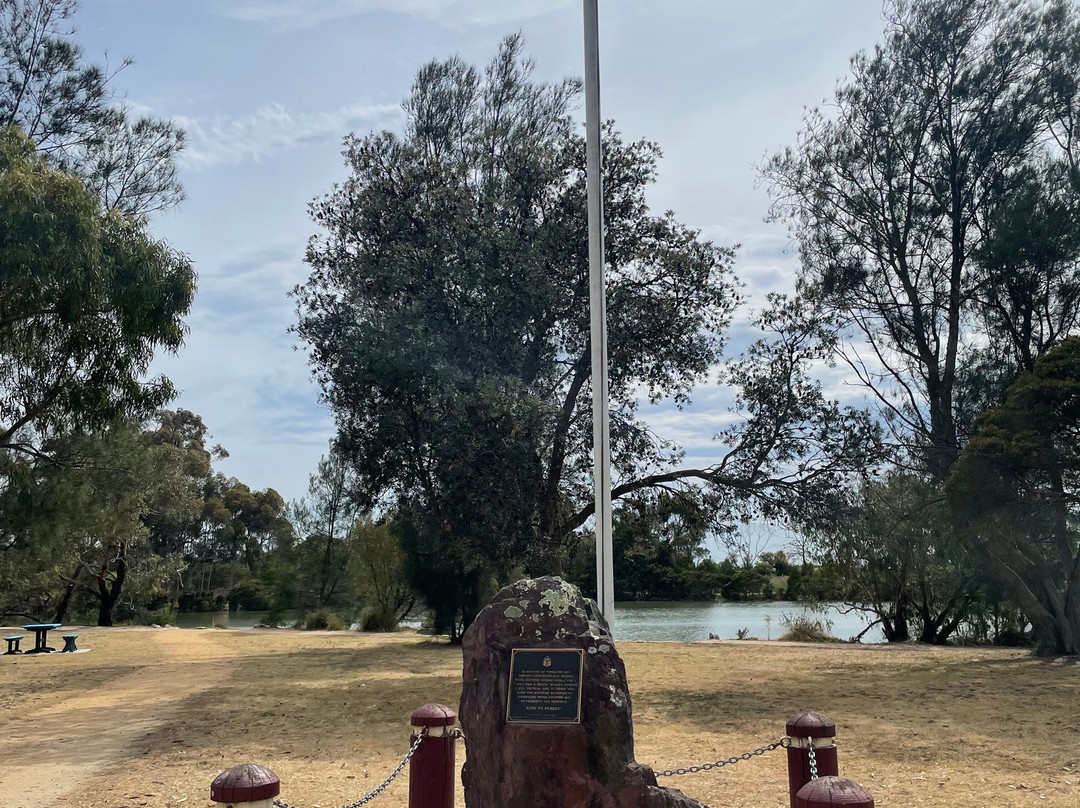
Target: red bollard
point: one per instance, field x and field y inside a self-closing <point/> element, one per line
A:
<point x="803" y="729"/>
<point x="245" y="786"/>
<point x="827" y="791"/>
<point x="432" y="770"/>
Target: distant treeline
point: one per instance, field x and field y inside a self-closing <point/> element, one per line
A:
<point x="661" y="576"/>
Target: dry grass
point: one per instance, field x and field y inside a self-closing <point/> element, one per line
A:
<point x="149" y="717"/>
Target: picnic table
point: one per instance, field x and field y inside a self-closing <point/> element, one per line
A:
<point x="41" y="632"/>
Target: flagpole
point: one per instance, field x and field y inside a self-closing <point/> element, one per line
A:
<point x="605" y="578"/>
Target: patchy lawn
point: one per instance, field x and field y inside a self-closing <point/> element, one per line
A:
<point x="150" y="716"/>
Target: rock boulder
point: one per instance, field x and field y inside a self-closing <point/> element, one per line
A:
<point x="585" y="765"/>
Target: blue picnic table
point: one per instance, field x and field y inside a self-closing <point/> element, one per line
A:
<point x="41" y="632"/>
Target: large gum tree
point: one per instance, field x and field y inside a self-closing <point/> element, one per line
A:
<point x="86" y="299"/>
<point x="936" y="203"/>
<point x="447" y="318"/>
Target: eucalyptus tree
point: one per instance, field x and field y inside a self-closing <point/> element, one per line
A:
<point x="1016" y="493"/>
<point x="86" y="299"/>
<point x="324" y="522"/>
<point x="896" y="556"/>
<point x="935" y="205"/>
<point x="82" y="540"/>
<point x="447" y="319"/>
<point x="67" y="106"/>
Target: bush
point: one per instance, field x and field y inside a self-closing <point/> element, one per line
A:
<point x="275" y="615"/>
<point x="325" y="620"/>
<point x="376" y="619"/>
<point x="164" y="616"/>
<point x="801" y="628"/>
<point x="249" y="595"/>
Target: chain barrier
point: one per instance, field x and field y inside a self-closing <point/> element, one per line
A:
<point x="813" y="760"/>
<point x="783" y="743"/>
<point x="382" y="786"/>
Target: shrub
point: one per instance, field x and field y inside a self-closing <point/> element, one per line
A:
<point x="249" y="595"/>
<point x="275" y="615"/>
<point x="373" y="618"/>
<point x="164" y="616"/>
<point x="800" y="628"/>
<point x="325" y="620"/>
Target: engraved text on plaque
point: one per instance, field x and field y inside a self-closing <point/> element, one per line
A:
<point x="545" y="686"/>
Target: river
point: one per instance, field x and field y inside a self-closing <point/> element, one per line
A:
<point x="676" y="621"/>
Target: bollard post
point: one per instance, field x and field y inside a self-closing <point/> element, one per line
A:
<point x="804" y="729"/>
<point x="432" y="769"/>
<point x="829" y="791"/>
<point x="245" y="786"/>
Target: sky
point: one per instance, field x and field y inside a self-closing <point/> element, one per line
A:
<point x="267" y="89"/>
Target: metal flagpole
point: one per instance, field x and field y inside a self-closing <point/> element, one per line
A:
<point x="605" y="578"/>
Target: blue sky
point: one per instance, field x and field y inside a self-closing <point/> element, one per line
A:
<point x="267" y="89"/>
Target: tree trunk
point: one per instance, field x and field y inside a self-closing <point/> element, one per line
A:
<point x="109" y="595"/>
<point x="895" y="626"/>
<point x="65" y="600"/>
<point x="1056" y="634"/>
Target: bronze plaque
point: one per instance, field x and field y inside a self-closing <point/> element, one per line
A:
<point x="545" y="686"/>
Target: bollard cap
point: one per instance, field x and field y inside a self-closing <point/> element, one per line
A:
<point x="828" y="791"/>
<point x="245" y="783"/>
<point x="433" y="715"/>
<point x="809" y="724"/>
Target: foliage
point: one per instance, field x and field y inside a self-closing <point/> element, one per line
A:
<point x="659" y="552"/>
<point x="67" y="107"/>
<point x="896" y="556"/>
<point x="85" y="539"/>
<point x="224" y="530"/>
<point x="747" y="580"/>
<point x="163" y="616"/>
<point x="947" y="142"/>
<point x="377" y="570"/>
<point x="1015" y="493"/>
<point x="325" y="620"/>
<point x="447" y="318"/>
<point x="88" y="297"/>
<point x="324" y="522"/>
<point x="377" y="618"/>
<point x="132" y="519"/>
<point x="249" y="595"/>
<point x="936" y="207"/>
<point x="453" y="582"/>
<point x="800" y="628"/>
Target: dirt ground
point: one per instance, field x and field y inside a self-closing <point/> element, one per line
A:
<point x="150" y="716"/>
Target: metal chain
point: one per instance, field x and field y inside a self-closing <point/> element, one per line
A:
<point x="382" y="786"/>
<point x="813" y="760"/>
<point x="704" y="767"/>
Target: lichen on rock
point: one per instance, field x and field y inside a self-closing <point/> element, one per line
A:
<point x="514" y="765"/>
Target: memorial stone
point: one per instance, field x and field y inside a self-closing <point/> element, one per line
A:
<point x="545" y="708"/>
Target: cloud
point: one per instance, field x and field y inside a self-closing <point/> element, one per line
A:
<point x="292" y="14"/>
<point x="274" y="128"/>
<point x="240" y="372"/>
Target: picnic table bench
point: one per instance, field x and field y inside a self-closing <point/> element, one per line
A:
<point x="13" y="644"/>
<point x="41" y="633"/>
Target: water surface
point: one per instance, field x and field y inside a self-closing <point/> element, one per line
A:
<point x="689" y="621"/>
<point x="675" y="621"/>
